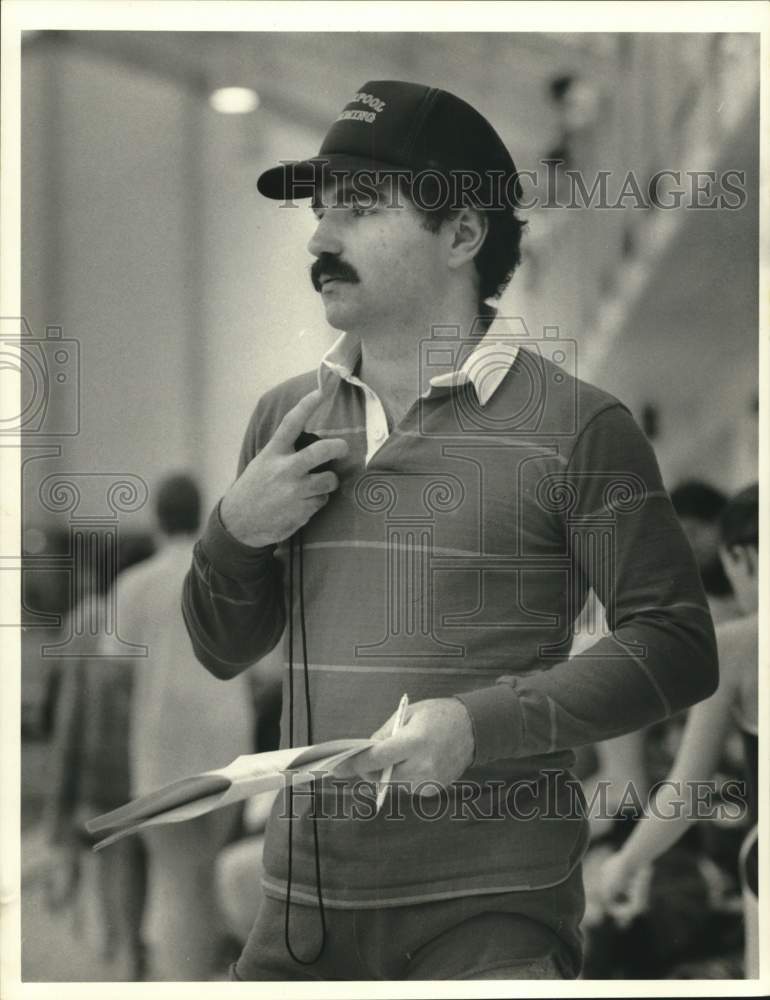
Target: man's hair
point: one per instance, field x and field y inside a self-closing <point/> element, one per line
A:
<point x="698" y="500"/>
<point x="739" y="521"/>
<point x="500" y="254"/>
<point x="178" y="505"/>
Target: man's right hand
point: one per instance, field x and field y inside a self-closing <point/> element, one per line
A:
<point x="277" y="493"/>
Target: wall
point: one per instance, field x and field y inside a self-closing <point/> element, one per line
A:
<point x="144" y="238"/>
<point x="690" y="343"/>
<point x="106" y="254"/>
<point x="263" y="320"/>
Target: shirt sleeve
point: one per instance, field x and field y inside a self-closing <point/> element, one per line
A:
<point x="232" y="598"/>
<point x="660" y="654"/>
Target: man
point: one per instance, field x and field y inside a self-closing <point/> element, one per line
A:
<point x="181" y="722"/>
<point x="476" y="491"/>
<point x="88" y="773"/>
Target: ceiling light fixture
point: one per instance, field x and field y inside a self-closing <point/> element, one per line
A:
<point x="234" y="100"/>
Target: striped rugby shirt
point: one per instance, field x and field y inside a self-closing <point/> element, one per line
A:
<point x="452" y="562"/>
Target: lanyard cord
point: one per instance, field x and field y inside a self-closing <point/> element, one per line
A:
<point x="321" y="913"/>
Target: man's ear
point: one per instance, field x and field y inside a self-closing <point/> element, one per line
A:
<point x="468" y="229"/>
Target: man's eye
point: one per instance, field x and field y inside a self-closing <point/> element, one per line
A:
<point x="359" y="210"/>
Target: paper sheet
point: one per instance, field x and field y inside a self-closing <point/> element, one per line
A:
<point x="246" y="776"/>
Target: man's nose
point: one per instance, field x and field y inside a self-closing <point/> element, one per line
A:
<point x="326" y="238"/>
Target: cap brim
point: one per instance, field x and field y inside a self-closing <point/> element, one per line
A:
<point x="300" y="179"/>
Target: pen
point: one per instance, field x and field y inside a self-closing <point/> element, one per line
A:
<point x="388" y="772"/>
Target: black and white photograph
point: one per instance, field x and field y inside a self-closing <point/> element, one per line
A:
<point x="382" y="424"/>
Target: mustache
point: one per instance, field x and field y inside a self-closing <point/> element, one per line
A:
<point x="328" y="265"/>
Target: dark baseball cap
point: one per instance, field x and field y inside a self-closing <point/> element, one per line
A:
<point x="393" y="126"/>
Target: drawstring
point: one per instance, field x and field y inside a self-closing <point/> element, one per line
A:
<point x="321" y="913"/>
<point x="304" y="638"/>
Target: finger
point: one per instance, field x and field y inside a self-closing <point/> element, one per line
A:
<point x="345" y="769"/>
<point x="319" y="452"/>
<point x="360" y="764"/>
<point x="369" y="762"/>
<point x="294" y="421"/>
<point x="388" y="752"/>
<point x="321" y="483"/>
<point x="353" y="768"/>
<point x="386" y="729"/>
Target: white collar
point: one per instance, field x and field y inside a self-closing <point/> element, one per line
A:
<point x="485" y="367"/>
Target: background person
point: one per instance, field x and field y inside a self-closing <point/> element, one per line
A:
<point x="705" y="733"/>
<point x="88" y="770"/>
<point x="182" y="722"/>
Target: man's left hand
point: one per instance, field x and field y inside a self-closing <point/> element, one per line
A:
<point x="435" y="745"/>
